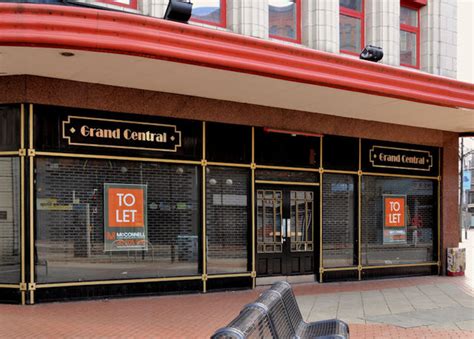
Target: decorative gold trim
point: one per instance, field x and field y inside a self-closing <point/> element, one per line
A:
<point x="68" y="138"/>
<point x="253" y="224"/>
<point x="31" y="152"/>
<point x="117" y="282"/>
<point x="203" y="163"/>
<point x="204" y="155"/>
<point x="282" y="168"/>
<point x="15" y="286"/>
<point x="113" y="157"/>
<point x="337" y="269"/>
<point x="321" y="265"/>
<point x="253" y="274"/>
<point x="359" y="223"/>
<point x="400" y="265"/>
<point x="32" y="286"/>
<point x="253" y="166"/>
<point x="31" y="207"/>
<point x="400" y="176"/>
<point x="253" y="145"/>
<point x="204" y="227"/>
<point x="10" y="153"/>
<point x="340" y="172"/>
<point x="22" y="153"/>
<point x="229" y="275"/>
<point x="226" y="164"/>
<point x="22" y="126"/>
<point x="298" y="183"/>
<point x="204" y="277"/>
<point x="401" y="149"/>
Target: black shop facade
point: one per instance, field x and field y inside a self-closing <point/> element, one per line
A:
<point x="101" y="204"/>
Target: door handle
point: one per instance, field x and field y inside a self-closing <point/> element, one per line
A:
<point x="288" y="230"/>
<point x="283" y="230"/>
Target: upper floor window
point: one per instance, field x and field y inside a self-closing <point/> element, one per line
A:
<point x="285" y="20"/>
<point x="211" y="12"/>
<point x="351" y="26"/>
<point x="409" y="36"/>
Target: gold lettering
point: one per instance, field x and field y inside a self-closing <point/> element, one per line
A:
<point x="85" y="131"/>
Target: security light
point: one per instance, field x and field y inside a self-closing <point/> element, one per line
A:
<point x="372" y="53"/>
<point x="179" y="11"/>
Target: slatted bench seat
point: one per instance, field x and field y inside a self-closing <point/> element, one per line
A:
<point x="275" y="314"/>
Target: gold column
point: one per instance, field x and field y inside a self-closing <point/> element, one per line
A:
<point x="22" y="206"/>
<point x="31" y="154"/>
<point x="204" y="236"/>
<point x="252" y="169"/>
<point x="359" y="213"/>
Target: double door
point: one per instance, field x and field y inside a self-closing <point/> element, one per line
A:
<point x="285" y="229"/>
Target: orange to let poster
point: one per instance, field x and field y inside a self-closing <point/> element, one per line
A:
<point x="394" y="211"/>
<point x="125" y="207"/>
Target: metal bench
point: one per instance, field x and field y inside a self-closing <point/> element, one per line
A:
<point x="275" y="314"/>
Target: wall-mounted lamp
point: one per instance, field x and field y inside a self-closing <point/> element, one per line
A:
<point x="179" y="11"/>
<point x="372" y="53"/>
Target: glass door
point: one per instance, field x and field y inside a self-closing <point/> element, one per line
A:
<point x="285" y="230"/>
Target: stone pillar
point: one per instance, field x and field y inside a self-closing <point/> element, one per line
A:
<point x="449" y="198"/>
<point x="320" y="25"/>
<point x="439" y="37"/>
<point x="382" y="28"/>
<point x="248" y="17"/>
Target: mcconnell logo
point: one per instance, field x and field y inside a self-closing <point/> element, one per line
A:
<point x="97" y="132"/>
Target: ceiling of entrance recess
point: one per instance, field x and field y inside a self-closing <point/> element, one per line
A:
<point x="175" y="77"/>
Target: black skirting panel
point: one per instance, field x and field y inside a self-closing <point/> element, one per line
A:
<point x="116" y="291"/>
<point x="340" y="276"/>
<point x="224" y="284"/>
<point x="10" y="296"/>
<point x="395" y="272"/>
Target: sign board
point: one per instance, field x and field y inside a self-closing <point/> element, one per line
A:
<point x="401" y="158"/>
<point x="125" y="217"/>
<point x="109" y="133"/>
<point x="394" y="219"/>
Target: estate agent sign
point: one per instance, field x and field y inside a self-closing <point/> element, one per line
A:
<point x="394" y="215"/>
<point x="125" y="217"/>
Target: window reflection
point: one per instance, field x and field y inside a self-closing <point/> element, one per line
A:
<point x="283" y="19"/>
<point x="207" y="11"/>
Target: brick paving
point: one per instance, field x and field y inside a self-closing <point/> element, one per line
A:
<point x="199" y="315"/>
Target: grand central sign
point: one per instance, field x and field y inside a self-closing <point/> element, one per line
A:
<point x="400" y="158"/>
<point x="98" y="132"/>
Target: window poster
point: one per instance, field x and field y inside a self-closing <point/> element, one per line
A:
<point x="125" y="217"/>
<point x="394" y="219"/>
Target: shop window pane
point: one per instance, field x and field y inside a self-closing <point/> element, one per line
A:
<point x="9" y="128"/>
<point x="349" y="33"/>
<point x="408" y="16"/>
<point x="355" y="5"/>
<point x="228" y="143"/>
<point x="227" y="215"/>
<point x="9" y="220"/>
<point x="405" y="235"/>
<point x="408" y="48"/>
<point x="339" y="220"/>
<point x="70" y="237"/>
<point x="281" y="149"/>
<point x="207" y="10"/>
<point x="283" y="19"/>
<point x="288" y="176"/>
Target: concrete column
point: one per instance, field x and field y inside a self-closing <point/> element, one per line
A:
<point x="382" y="28"/>
<point x="320" y="25"/>
<point x="248" y="17"/>
<point x="438" y="37"/>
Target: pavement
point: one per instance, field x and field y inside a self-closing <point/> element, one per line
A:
<point x="415" y="307"/>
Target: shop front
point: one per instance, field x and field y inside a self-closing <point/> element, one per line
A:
<point x="97" y="204"/>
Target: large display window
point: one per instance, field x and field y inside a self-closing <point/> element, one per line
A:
<point x="73" y="201"/>
<point x="398" y="221"/>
